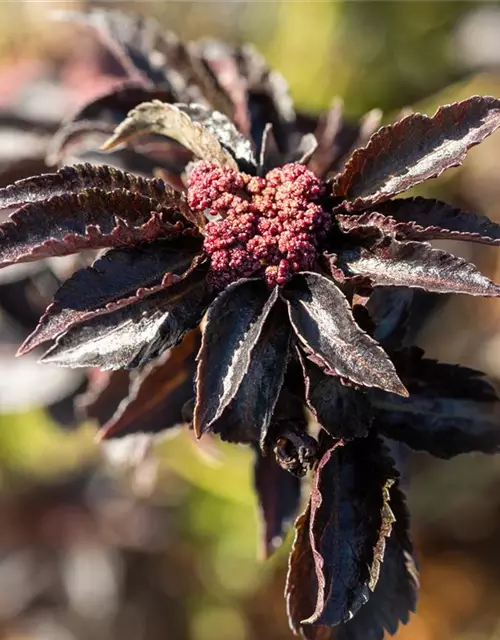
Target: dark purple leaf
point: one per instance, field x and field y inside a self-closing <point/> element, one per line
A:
<point x="92" y="219"/>
<point x="389" y="309"/>
<point x="120" y="277"/>
<point x="233" y="327"/>
<point x="395" y="595"/>
<point x="304" y="150"/>
<point x="112" y="107"/>
<point x="221" y="59"/>
<point x="157" y="394"/>
<point x="338" y="137"/>
<point x="75" y="140"/>
<point x="79" y="178"/>
<point x="301" y="582"/>
<point x="207" y="79"/>
<point x="323" y="322"/>
<point x="350" y="521"/>
<point x="131" y="39"/>
<point x="137" y="333"/>
<point x="278" y="493"/>
<point x="414" y="149"/>
<point x="105" y="391"/>
<point x="247" y="417"/>
<point x="424" y="219"/>
<point x="451" y="410"/>
<point x="341" y="410"/>
<point x="415" y="264"/>
<point x="268" y="99"/>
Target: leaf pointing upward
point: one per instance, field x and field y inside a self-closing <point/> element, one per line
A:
<point x="172" y="121"/>
<point x="416" y="148"/>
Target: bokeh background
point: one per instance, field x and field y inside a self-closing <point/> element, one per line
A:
<point x="133" y="543"/>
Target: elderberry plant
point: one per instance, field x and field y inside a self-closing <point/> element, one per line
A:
<point x="297" y="267"/>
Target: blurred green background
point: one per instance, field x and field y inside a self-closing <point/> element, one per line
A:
<point x="108" y="543"/>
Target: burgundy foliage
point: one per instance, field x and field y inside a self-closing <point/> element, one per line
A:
<point x="266" y="233"/>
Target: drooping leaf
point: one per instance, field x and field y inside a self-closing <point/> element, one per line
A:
<point x="414" y="149"/>
<point x="207" y="134"/>
<point x="323" y="322"/>
<point x="395" y="595"/>
<point x="133" y="335"/>
<point x="350" y="521"/>
<point x="93" y="219"/>
<point x="130" y="38"/>
<point x="157" y="394"/>
<point x="424" y="219"/>
<point x="120" y="277"/>
<point x="450" y="410"/>
<point x="416" y="264"/>
<point x="233" y="327"/>
<point x="301" y="582"/>
<point x="341" y="410"/>
<point x="278" y="494"/>
<point x="78" y="178"/>
<point x="246" y="418"/>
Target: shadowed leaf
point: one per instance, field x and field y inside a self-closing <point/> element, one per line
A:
<point x="120" y="277"/>
<point x="113" y="106"/>
<point x="395" y="595"/>
<point x="341" y="410"/>
<point x="157" y="394"/>
<point x="104" y="393"/>
<point x="301" y="582"/>
<point x="268" y="99"/>
<point x="130" y="38"/>
<point x="92" y="219"/>
<point x="206" y="134"/>
<point x="137" y="333"/>
<point x="451" y="410"/>
<point x="338" y="137"/>
<point x="234" y="324"/>
<point x="323" y="322"/>
<point x="221" y="59"/>
<point x="390" y="310"/>
<point x="278" y="494"/>
<point x="247" y="417"/>
<point x="414" y="149"/>
<point x="416" y="264"/>
<point x="424" y="219"/>
<point x="350" y="521"/>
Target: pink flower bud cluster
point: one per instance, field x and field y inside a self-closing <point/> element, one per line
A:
<point x="265" y="226"/>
